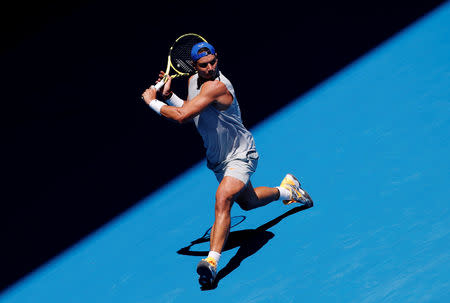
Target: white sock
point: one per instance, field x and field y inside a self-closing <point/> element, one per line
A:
<point x="285" y="194"/>
<point x="214" y="255"/>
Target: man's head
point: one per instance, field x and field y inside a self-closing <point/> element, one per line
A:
<point x="205" y="60"/>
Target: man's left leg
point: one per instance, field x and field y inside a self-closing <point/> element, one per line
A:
<point x="251" y="198"/>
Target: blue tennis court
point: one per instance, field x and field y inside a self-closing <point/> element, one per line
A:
<point x="372" y="147"/>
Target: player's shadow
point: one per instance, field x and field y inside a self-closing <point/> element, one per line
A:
<point x="249" y="242"/>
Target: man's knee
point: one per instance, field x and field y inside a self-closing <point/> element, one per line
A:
<point x="229" y="189"/>
<point x="223" y="202"/>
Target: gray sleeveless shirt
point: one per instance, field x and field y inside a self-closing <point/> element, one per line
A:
<point x="224" y="135"/>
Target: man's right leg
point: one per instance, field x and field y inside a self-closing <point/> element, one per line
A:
<point x="226" y="193"/>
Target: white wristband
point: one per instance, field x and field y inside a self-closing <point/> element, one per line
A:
<point x="156" y="105"/>
<point x="174" y="100"/>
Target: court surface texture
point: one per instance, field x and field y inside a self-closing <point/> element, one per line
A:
<point x="371" y="145"/>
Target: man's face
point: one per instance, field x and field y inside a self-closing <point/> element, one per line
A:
<point x="207" y="67"/>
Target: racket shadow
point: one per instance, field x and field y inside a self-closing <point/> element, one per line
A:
<point x="249" y="242"/>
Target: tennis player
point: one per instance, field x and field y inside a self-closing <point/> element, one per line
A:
<point x="230" y="148"/>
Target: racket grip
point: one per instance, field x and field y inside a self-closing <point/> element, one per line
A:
<point x="159" y="85"/>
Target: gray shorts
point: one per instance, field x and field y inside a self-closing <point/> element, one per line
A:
<point x="239" y="168"/>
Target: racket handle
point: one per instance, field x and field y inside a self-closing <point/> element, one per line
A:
<point x="159" y="84"/>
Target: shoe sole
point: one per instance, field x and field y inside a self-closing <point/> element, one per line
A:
<point x="206" y="277"/>
<point x="310" y="203"/>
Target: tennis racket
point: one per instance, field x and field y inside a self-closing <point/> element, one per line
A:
<point x="179" y="59"/>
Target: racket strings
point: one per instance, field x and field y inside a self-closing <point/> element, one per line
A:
<point x="180" y="53"/>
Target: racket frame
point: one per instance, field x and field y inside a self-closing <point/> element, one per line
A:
<point x="171" y="66"/>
